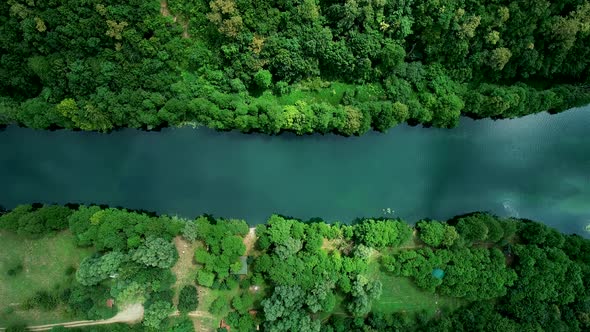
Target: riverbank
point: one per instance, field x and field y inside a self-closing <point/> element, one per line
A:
<point x="481" y="165"/>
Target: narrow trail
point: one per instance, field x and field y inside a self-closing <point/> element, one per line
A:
<point x="131" y="314"/>
<point x="198" y="313"/>
<point x="250" y="240"/>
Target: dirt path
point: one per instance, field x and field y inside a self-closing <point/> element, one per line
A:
<point x="131" y="314"/>
<point x="249" y="240"/>
<point x="164" y="9"/>
<point x="185" y="268"/>
<point x="195" y="314"/>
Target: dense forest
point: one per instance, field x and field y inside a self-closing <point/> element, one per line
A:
<point x="505" y="274"/>
<point x="343" y="66"/>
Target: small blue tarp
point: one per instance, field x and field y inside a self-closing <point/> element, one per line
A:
<point x="438" y="273"/>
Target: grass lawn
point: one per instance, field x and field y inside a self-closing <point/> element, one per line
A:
<point x="44" y="262"/>
<point x="401" y="295"/>
<point x="330" y="95"/>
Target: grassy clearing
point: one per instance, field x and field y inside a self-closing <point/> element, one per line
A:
<point x="44" y="264"/>
<point x="185" y="268"/>
<point x="316" y="92"/>
<point x="401" y="295"/>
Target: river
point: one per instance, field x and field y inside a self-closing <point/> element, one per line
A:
<point x="536" y="167"/>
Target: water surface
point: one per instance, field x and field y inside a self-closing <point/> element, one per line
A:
<point x="535" y="167"/>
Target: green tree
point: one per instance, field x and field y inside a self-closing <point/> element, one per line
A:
<point x="190" y="231"/>
<point x="95" y="269"/>
<point x="219" y="305"/>
<point x="156" y="252"/>
<point x="263" y="79"/>
<point x="188" y="299"/>
<point x="156" y="313"/>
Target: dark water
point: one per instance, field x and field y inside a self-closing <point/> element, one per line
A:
<point x="536" y="167"/>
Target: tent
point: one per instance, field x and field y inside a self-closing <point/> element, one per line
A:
<point x="438" y="273"/>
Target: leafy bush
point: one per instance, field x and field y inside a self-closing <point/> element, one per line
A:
<point x="156" y="313"/>
<point x="188" y="299"/>
<point x="14" y="269"/>
<point x="219" y="305"/>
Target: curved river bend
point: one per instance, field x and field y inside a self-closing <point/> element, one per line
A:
<point x="535" y="167"/>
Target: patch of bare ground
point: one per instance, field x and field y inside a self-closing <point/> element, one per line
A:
<point x="250" y="240"/>
<point x="185" y="268"/>
<point x="130" y="314"/>
<point x="185" y="271"/>
<point x="336" y="245"/>
<point x="165" y="11"/>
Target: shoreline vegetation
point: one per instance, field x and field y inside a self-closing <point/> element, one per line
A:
<point x="472" y="272"/>
<point x="327" y="66"/>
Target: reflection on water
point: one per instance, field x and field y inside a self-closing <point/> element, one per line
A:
<point x="535" y="167"/>
<point x="509" y="207"/>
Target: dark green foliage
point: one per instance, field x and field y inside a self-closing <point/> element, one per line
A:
<point x="379" y="234"/>
<point x="156" y="252"/>
<point x="475" y="274"/>
<point x="14" y="269"/>
<point x="44" y="300"/>
<point x="17" y="327"/>
<point x="224" y="247"/>
<point x="541" y="235"/>
<point x="484" y="227"/>
<point x="436" y="234"/>
<point x="156" y="313"/>
<point x="283" y="311"/>
<point x="114" y="229"/>
<point x="280" y="65"/>
<point x="188" y="299"/>
<point x="36" y="222"/>
<point x="184" y="324"/>
<point x="546" y="275"/>
<point x="219" y="305"/>
<point x="88" y="302"/>
<point x="95" y="269"/>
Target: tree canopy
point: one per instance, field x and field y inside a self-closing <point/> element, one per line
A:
<point x="300" y="66"/>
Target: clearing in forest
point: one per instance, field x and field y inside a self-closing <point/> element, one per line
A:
<point x="39" y="264"/>
<point x="401" y="295"/>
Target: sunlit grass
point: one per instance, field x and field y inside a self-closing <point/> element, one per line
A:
<point x="401" y="295"/>
<point x="330" y="93"/>
<point x="44" y="264"/>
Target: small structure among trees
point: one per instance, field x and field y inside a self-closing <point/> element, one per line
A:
<point x="438" y="273"/>
<point x="244" y="269"/>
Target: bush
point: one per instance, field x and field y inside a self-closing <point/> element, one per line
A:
<point x="219" y="306"/>
<point x="14" y="269"/>
<point x="188" y="299"/>
<point x="205" y="278"/>
<point x="8" y="311"/>
<point x="70" y="271"/>
<point x="42" y="299"/>
<point x="17" y="327"/>
<point x="26" y="220"/>
<point x="156" y="313"/>
<point x="190" y="231"/>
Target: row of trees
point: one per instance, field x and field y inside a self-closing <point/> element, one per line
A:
<point x="270" y="67"/>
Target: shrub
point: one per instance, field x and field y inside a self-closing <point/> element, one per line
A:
<point x="42" y="299"/>
<point x="15" y="269"/>
<point x="188" y="299"/>
<point x="17" y="327"/>
<point x="70" y="271"/>
<point x="220" y="305"/>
